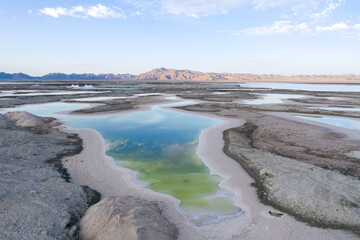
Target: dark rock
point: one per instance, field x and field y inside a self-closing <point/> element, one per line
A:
<point x="36" y="199"/>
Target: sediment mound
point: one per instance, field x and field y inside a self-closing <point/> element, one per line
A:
<point x="25" y="119"/>
<point x="126" y="218"/>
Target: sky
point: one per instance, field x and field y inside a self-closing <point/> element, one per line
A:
<point x="133" y="36"/>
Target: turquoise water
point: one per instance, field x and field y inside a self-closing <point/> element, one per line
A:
<point x="159" y="145"/>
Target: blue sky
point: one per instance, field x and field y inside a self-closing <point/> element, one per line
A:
<point x="134" y="36"/>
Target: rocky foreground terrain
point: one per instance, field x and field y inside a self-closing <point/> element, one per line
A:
<point x="303" y="170"/>
<point x="37" y="199"/>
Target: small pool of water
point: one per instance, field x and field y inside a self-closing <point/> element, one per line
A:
<point x="94" y="99"/>
<point x="335" y="121"/>
<point x="147" y="94"/>
<point x="47" y="109"/>
<point x="159" y="145"/>
<point x="220" y="93"/>
<point x="356" y="154"/>
<point x="306" y="86"/>
<point x="7" y="93"/>
<point x="103" y="88"/>
<point x="273" y="98"/>
<point x="339" y="109"/>
<point x="14" y="83"/>
<point x="246" y="89"/>
<point x="19" y="93"/>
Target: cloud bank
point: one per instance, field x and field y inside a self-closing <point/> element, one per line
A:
<point x="96" y="11"/>
<point x="312" y="13"/>
<point x="197" y="8"/>
<point x="276" y="27"/>
<point x="284" y="27"/>
<point x="200" y="8"/>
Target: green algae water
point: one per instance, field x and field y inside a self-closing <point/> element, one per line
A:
<point x="159" y="145"/>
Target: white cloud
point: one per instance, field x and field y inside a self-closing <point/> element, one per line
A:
<point x="276" y="28"/>
<point x="138" y="13"/>
<point x="76" y="11"/>
<point x="335" y="27"/>
<point x="54" y="12"/>
<point x="96" y="11"/>
<point x="196" y="8"/>
<point x="100" y="11"/>
<point x="142" y="4"/>
<point x="279" y="27"/>
<point x="328" y="9"/>
<point x="295" y="5"/>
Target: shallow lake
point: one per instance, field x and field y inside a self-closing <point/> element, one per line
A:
<point x="22" y="93"/>
<point x="335" y="121"/>
<point x="306" y="86"/>
<point x="95" y="99"/>
<point x="12" y="83"/>
<point x="159" y="145"/>
<point x="345" y="109"/>
<point x="273" y="98"/>
<point x="102" y="88"/>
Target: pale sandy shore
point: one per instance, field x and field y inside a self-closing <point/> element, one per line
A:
<point x="98" y="171"/>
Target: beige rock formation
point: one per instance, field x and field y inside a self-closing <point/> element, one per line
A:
<point x="126" y="218"/>
<point x="25" y="119"/>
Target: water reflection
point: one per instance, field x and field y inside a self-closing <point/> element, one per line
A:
<point x="159" y="145"/>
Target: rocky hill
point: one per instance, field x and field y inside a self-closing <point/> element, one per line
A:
<point x="165" y="74"/>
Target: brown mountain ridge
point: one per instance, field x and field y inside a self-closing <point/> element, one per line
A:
<point x="166" y="74"/>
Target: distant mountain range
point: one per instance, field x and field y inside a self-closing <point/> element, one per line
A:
<point x="164" y="74"/>
<point x="63" y="76"/>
